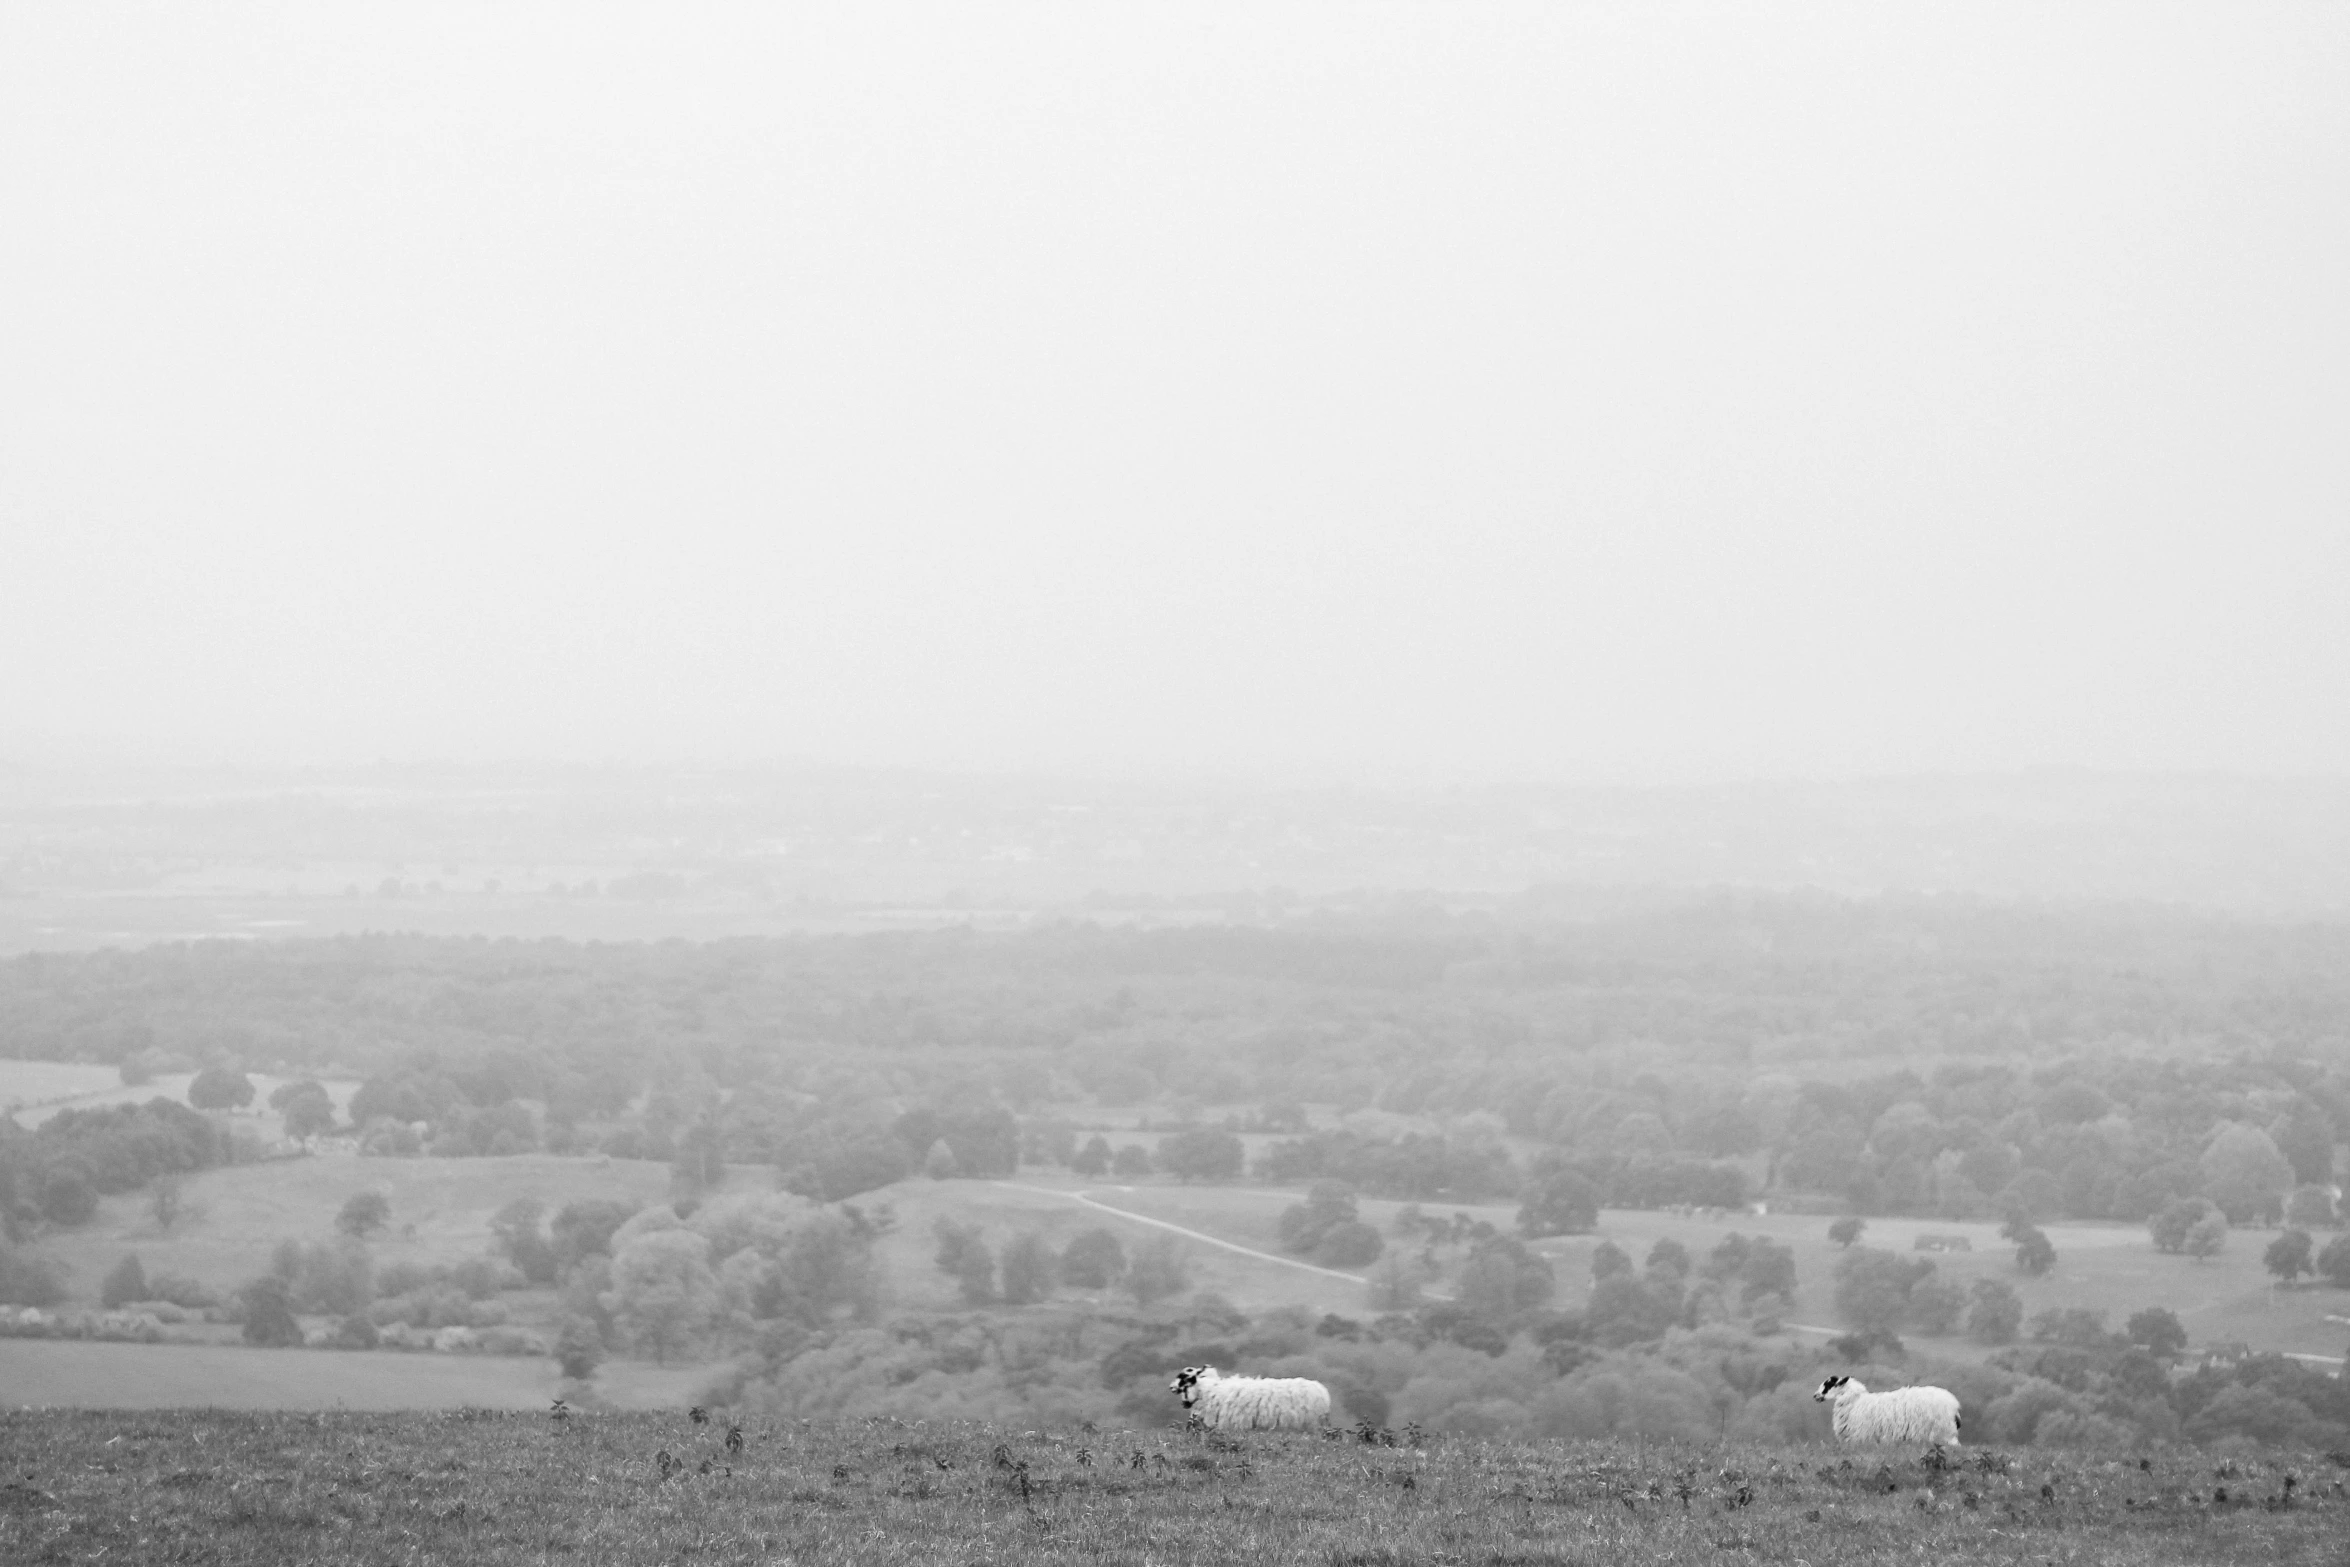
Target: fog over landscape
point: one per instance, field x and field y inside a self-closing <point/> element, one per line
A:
<point x="1549" y="721"/>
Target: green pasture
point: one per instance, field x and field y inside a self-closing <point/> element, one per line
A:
<point x="238" y="1214"/>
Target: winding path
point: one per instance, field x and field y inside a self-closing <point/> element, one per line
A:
<point x="1197" y="1235"/>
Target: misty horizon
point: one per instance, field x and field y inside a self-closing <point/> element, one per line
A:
<point x="1549" y="394"/>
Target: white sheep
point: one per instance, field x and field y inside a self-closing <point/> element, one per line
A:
<point x="1251" y="1403"/>
<point x="1905" y="1414"/>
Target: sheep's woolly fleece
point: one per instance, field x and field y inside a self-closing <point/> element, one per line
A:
<point x="1905" y="1414"/>
<point x="1251" y="1403"/>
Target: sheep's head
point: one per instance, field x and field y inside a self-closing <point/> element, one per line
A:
<point x="1187" y="1381"/>
<point x="1830" y="1388"/>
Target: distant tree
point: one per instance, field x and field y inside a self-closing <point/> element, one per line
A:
<point x="1093" y="1160"/>
<point x="584" y="1229"/>
<point x="699" y="1162"/>
<point x="2169" y="1227"/>
<point x="1935" y="1307"/>
<point x="2310" y="1207"/>
<point x="2306" y="1139"/>
<point x="2333" y="1263"/>
<point x="939" y="1164"/>
<point x="1093" y="1260"/>
<point x="218" y="1088"/>
<point x="1994" y="1312"/>
<point x="1160" y="1270"/>
<point x="1873" y="1285"/>
<point x="2246" y="1175"/>
<point x="1503" y="1281"/>
<point x="1350" y="1245"/>
<point x="1847" y="1230"/>
<point x="2158" y="1330"/>
<point x="1329" y="1207"/>
<point x="268" y="1312"/>
<point x="1769" y="1272"/>
<point x="166" y="1202"/>
<point x="2077" y="1327"/>
<point x="309" y="1114"/>
<point x="68" y="1198"/>
<point x="2206" y="1237"/>
<point x="1394" y="1285"/>
<point x="125" y="1282"/>
<point x="523" y="1239"/>
<point x="2288" y="1256"/>
<point x="2035" y="1253"/>
<point x="663" y="1293"/>
<point x="27" y="1280"/>
<point x="363" y="1214"/>
<point x="579" y="1347"/>
<point x="1132" y="1160"/>
<point x="1029" y="1270"/>
<point x="1608" y="1260"/>
<point x="1202" y="1155"/>
<point x="1557" y="1201"/>
<point x="301" y="1088"/>
<point x="965" y="1257"/>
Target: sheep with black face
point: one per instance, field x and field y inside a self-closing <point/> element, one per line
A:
<point x="1902" y="1414"/>
<point x="1232" y="1403"/>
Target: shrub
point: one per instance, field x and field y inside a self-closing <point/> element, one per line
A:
<point x="181" y="1291"/>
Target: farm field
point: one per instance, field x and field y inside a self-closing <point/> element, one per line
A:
<point x="481" y="1487"/>
<point x="242" y="1212"/>
<point x="27" y="1084"/>
<point x="33" y="1091"/>
<point x="63" y="1373"/>
<point x="2112" y="1268"/>
<point x="239" y="1213"/>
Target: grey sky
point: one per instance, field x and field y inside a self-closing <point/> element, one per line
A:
<point x="1609" y="391"/>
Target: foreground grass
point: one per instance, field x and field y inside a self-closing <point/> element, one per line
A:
<point x="481" y="1487"/>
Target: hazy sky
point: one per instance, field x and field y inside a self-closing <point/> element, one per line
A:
<point x="1456" y="390"/>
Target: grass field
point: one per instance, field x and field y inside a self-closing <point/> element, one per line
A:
<point x="24" y="1084"/>
<point x="487" y="1488"/>
<point x="33" y="1091"/>
<point x="2113" y="1268"/>
<point x="241" y="1212"/>
<point x="64" y="1373"/>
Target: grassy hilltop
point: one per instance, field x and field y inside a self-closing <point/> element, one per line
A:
<point x="485" y="1488"/>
